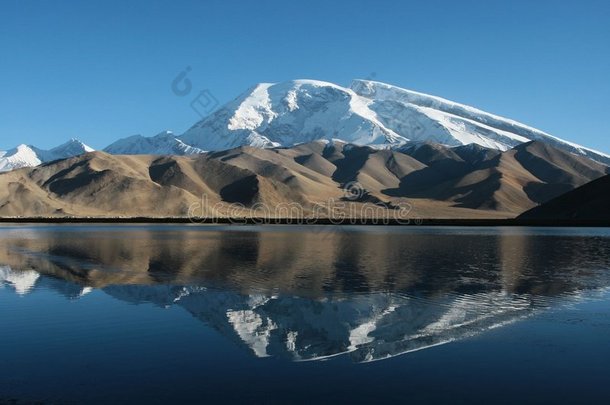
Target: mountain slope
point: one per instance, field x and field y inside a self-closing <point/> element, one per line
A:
<point x="434" y="180"/>
<point x="515" y="180"/>
<point x="21" y="156"/>
<point x="30" y="156"/>
<point x="164" y="143"/>
<point x="368" y="113"/>
<point x="589" y="202"/>
<point x="438" y="120"/>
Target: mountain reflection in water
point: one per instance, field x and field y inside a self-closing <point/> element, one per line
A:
<point x="313" y="293"/>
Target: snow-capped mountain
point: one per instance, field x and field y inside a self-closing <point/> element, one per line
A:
<point x="164" y="143"/>
<point x="367" y="113"/>
<point x="73" y="147"/>
<point x="293" y="112"/>
<point x="30" y="156"/>
<point x="434" y="119"/>
<point x="16" y="158"/>
<point x="299" y="111"/>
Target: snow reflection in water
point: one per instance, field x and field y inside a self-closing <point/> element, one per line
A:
<point x="367" y="295"/>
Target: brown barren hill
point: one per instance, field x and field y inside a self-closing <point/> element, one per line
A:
<point x="435" y="181"/>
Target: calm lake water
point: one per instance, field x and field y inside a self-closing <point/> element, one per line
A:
<point x="200" y="314"/>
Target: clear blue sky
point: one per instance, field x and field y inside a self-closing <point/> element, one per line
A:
<point x="101" y="70"/>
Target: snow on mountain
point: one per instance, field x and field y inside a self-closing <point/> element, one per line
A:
<point x="164" y="143"/>
<point x="442" y="121"/>
<point x="288" y="113"/>
<point x="367" y="113"/>
<point x="30" y="156"/>
<point x="73" y="147"/>
<point x="16" y="158"/>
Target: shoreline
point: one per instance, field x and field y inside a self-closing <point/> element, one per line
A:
<point x="514" y="222"/>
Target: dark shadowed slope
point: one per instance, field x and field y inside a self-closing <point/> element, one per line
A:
<point x="513" y="181"/>
<point x="589" y="202"/>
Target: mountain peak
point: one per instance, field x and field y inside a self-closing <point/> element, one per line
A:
<point x="367" y="113"/>
<point x="163" y="143"/>
<point x="18" y="157"/>
<point x="29" y="156"/>
<point x="74" y="143"/>
<point x="288" y="113"/>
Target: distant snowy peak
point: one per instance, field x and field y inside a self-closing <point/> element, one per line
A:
<point x="367" y="113"/>
<point x="30" y="156"/>
<point x="164" y="143"/>
<point x="16" y="158"/>
<point x="73" y="147"/>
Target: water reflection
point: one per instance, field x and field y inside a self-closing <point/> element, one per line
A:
<point x="313" y="294"/>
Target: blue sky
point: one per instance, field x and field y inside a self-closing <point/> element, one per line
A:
<point x="102" y="70"/>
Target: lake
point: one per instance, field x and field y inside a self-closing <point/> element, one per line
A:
<point x="277" y="314"/>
